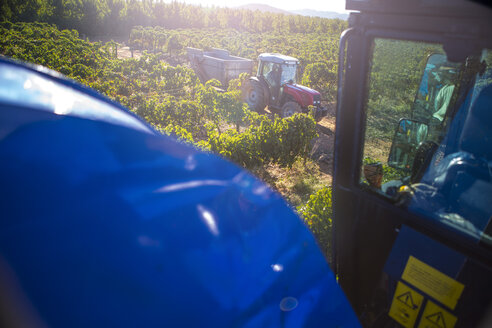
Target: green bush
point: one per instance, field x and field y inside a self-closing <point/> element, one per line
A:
<point x="317" y="215"/>
<point x="321" y="77"/>
<point x="280" y="141"/>
<point x="179" y="132"/>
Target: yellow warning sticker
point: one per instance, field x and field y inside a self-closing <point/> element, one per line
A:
<point x="436" y="317"/>
<point x="406" y="305"/>
<point x="433" y="282"/>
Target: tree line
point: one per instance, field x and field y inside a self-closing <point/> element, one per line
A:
<point x="95" y="18"/>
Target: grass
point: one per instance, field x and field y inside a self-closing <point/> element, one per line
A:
<point x="295" y="184"/>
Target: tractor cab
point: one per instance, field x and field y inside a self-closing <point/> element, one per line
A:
<point x="277" y="70"/>
<point x="412" y="191"/>
<point x="275" y="86"/>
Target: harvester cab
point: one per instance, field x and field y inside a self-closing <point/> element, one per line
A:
<point x="275" y="85"/>
<point x="412" y="224"/>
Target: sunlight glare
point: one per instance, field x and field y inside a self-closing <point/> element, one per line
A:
<point x="208" y="219"/>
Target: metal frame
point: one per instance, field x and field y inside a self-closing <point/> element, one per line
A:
<point x="434" y="8"/>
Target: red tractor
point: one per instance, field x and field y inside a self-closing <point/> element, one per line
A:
<point x="275" y="86"/>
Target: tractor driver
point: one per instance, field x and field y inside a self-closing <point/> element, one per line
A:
<point x="273" y="78"/>
<point x="443" y="97"/>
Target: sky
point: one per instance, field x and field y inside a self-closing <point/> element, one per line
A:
<point x="320" y="5"/>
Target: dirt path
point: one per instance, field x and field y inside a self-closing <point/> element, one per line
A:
<point x="322" y="151"/>
<point x="125" y="53"/>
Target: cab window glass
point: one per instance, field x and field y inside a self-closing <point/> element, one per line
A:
<point x="428" y="134"/>
<point x="267" y="69"/>
<point x="288" y="73"/>
<point x="455" y="186"/>
<point x="394" y="79"/>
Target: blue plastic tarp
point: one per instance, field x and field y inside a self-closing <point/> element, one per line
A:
<point x="106" y="223"/>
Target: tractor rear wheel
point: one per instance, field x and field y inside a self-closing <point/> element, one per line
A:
<point x="253" y="96"/>
<point x="290" y="108"/>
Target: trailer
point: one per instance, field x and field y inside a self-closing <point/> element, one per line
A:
<point x="218" y="64"/>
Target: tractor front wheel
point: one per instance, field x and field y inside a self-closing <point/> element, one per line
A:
<point x="253" y="96"/>
<point x="290" y="108"/>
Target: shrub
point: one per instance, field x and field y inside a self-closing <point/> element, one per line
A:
<point x="179" y="132"/>
<point x="265" y="141"/>
<point x="317" y="215"/>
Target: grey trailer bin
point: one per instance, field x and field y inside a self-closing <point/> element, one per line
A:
<point x="218" y="64"/>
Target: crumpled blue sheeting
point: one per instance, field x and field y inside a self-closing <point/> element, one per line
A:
<point x="107" y="226"/>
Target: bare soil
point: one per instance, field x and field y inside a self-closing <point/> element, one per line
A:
<point x="125" y="53"/>
<point x="322" y="151"/>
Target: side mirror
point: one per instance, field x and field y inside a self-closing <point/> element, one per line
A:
<point x="408" y="136"/>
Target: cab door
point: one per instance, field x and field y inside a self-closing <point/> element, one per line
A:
<point x="397" y="237"/>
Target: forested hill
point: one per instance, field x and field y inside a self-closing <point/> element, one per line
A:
<point x="264" y="8"/>
<point x="117" y="17"/>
